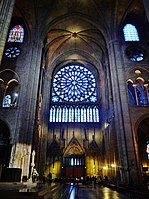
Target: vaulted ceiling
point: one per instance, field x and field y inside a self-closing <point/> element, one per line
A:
<point x="76" y="29"/>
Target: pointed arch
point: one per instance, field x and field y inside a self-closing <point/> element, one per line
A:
<point x="9" y="88"/>
<point x="74" y="148"/>
<point x="138" y="86"/>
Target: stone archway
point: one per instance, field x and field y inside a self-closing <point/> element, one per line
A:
<point x="74" y="162"/>
<point x="143" y="140"/>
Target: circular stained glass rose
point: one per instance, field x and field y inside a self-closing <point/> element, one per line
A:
<point x="74" y="83"/>
<point x="12" y="52"/>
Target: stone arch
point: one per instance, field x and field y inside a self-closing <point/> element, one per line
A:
<point x="143" y="141"/>
<point x="138" y="138"/>
<point x="9" y="88"/>
<point x="137" y="86"/>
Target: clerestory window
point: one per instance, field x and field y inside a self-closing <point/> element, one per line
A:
<point x="16" y="34"/>
<point x="74" y="95"/>
<point x="130" y="33"/>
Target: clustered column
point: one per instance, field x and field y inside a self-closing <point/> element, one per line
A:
<point x="122" y="118"/>
<point x="32" y="92"/>
<point x="6" y="9"/>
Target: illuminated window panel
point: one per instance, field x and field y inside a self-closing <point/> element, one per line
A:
<point x="57" y="115"/>
<point x="60" y="114"/>
<point x="82" y="114"/>
<point x="16" y="34"/>
<point x="51" y="114"/>
<point x="135" y="54"/>
<point x="74" y="83"/>
<point x="12" y="52"/>
<point x="64" y="114"/>
<point x="74" y="114"/>
<point x="130" y="33"/>
<point x="91" y="115"/>
<point x="73" y="90"/>
<point x="97" y="115"/>
<point x="79" y="115"/>
<point x="147" y="149"/>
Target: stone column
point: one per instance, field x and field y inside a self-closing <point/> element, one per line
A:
<point x="44" y="127"/>
<point x="6" y="9"/>
<point x="128" y="165"/>
<point x="27" y="112"/>
<point x="32" y="93"/>
<point x="146" y="7"/>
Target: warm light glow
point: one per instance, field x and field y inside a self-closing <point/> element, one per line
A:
<point x="20" y="158"/>
<point x="92" y="166"/>
<point x="55" y="169"/>
<point x="105" y="167"/>
<point x="113" y="165"/>
<point x="106" y="125"/>
<point x="140" y="79"/>
<point x="130" y="80"/>
<point x="137" y="72"/>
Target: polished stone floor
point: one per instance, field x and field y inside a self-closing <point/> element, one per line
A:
<point x="64" y="191"/>
<point x="96" y="192"/>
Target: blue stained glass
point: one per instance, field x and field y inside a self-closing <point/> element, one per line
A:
<point x="74" y="114"/>
<point x="12" y="52"/>
<point x="130" y="33"/>
<point x="73" y="83"/>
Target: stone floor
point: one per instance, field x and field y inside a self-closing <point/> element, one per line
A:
<point x="96" y="192"/>
<point x="62" y="191"/>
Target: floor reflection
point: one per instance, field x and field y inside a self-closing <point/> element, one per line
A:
<point x="95" y="192"/>
<point x="73" y="193"/>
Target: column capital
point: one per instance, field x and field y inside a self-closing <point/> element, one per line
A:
<point x="115" y="41"/>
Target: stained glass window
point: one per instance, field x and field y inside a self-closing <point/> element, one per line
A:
<point x="7" y="101"/>
<point x="16" y="34"/>
<point x="135" y="54"/>
<point x="74" y="83"/>
<point x="12" y="52"/>
<point x="147" y="149"/>
<point x="130" y="33"/>
<point x="138" y="92"/>
<point x="74" y="96"/>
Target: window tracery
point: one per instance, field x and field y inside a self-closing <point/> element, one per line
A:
<point x="9" y="88"/>
<point x="73" y="88"/>
<point x="138" y="89"/>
